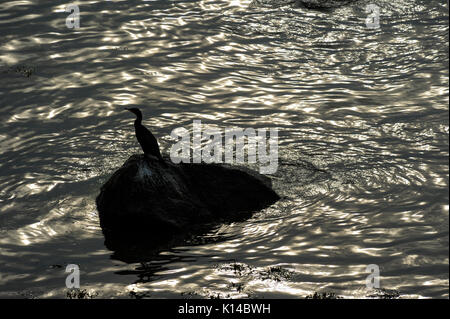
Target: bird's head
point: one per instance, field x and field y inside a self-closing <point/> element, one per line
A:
<point x="135" y="110"/>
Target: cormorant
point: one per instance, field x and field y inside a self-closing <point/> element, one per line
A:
<point x="148" y="142"/>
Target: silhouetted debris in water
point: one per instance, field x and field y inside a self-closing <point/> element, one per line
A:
<point x="77" y="293"/>
<point x="382" y="293"/>
<point x="244" y="274"/>
<point x="323" y="295"/>
<point x="239" y="269"/>
<point x="275" y="273"/>
<point x="378" y="294"/>
<point x="206" y="295"/>
<point x="239" y="287"/>
<point x="120" y="50"/>
<point x="21" y="69"/>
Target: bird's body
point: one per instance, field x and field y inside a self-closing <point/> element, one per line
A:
<point x="145" y="138"/>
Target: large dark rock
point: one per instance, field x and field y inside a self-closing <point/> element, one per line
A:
<point x="146" y="201"/>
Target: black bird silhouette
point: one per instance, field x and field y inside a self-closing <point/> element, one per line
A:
<point x="148" y="142"/>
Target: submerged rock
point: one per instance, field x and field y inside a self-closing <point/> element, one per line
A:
<point x="146" y="201"/>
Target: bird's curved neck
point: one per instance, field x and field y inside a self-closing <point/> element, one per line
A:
<point x="138" y="120"/>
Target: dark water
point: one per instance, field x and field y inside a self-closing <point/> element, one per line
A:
<point x="369" y="107"/>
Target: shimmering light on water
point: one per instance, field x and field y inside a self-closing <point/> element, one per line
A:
<point x="369" y="108"/>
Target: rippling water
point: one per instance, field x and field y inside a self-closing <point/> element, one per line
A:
<point x="368" y="107"/>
